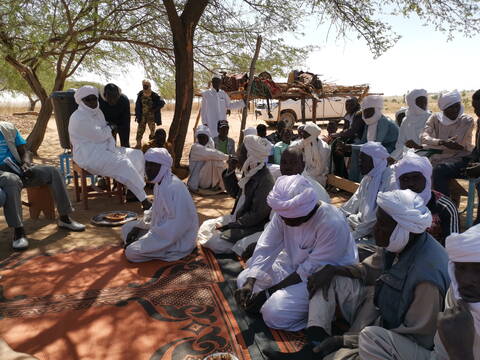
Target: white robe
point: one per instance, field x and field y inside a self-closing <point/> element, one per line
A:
<point x="318" y="173"/>
<point x="165" y="239"/>
<point x="411" y="129"/>
<point x="94" y="150"/>
<point x="282" y="250"/>
<point x="214" y="108"/>
<point x="361" y="216"/>
<point x="206" y="166"/>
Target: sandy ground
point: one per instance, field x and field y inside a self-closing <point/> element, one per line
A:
<point x="44" y="234"/>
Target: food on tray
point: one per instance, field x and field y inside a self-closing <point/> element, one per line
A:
<point x="221" y="356"/>
<point x="114" y="217"/>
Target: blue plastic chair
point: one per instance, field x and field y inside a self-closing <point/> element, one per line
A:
<point x="472" y="196"/>
<point x="65" y="169"/>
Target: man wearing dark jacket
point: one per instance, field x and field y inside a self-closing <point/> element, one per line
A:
<point x="251" y="211"/>
<point x="147" y="111"/>
<point x="116" y="109"/>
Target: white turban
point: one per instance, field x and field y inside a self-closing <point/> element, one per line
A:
<point x="408" y="210"/>
<point x="292" y="197"/>
<point x="313" y="129"/>
<point x="249" y="131"/>
<point x="83" y="92"/>
<point x="257" y="150"/>
<point x="412" y="162"/>
<point x="464" y="247"/>
<point x="376" y="102"/>
<point x="163" y="205"/>
<point x="379" y="155"/>
<point x="203" y="129"/>
<point x="411" y="97"/>
<point x="446" y="100"/>
<point x="216" y="76"/>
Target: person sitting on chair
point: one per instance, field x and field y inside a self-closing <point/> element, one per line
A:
<point x="13" y="148"/>
<point x="94" y="147"/>
<point x="168" y="231"/>
<point x="222" y="141"/>
<point x="449" y="131"/>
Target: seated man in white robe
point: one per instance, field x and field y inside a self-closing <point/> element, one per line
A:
<point x="303" y="235"/>
<point x="206" y="163"/>
<point x="168" y="231"/>
<point x="360" y="210"/>
<point x="401" y="287"/>
<point x="94" y="147"/>
<point x="251" y="211"/>
<point x="291" y="163"/>
<point x="316" y="152"/>
<point x="458" y="327"/>
<point x="413" y="124"/>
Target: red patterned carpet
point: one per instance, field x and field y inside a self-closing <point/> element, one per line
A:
<point x="93" y="304"/>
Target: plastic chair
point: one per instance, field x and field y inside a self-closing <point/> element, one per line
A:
<point x="65" y="168"/>
<point x="471" y="200"/>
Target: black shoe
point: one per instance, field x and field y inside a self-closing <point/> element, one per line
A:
<point x="305" y="354"/>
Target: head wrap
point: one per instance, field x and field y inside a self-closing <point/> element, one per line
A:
<point x="408" y="210"/>
<point x="412" y="162"/>
<point x="446" y="100"/>
<point x="257" y="150"/>
<point x="292" y="197"/>
<point x="163" y="206"/>
<point x="146" y="82"/>
<point x="203" y="129"/>
<point x="312" y="128"/>
<point x="411" y="97"/>
<point x="376" y="102"/>
<point x="82" y="93"/>
<point x="250" y="131"/>
<point x="379" y="156"/>
<point x="464" y="247"/>
<point x="216" y="76"/>
<point x="400" y="111"/>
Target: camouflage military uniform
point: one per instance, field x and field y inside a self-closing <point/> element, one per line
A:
<point x="147" y="119"/>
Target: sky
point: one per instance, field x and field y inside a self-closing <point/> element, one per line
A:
<point x="422" y="58"/>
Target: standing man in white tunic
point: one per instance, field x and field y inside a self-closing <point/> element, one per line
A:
<point x="94" y="146"/>
<point x="168" y="231"/>
<point x="215" y="103"/>
<point x="303" y="235"/>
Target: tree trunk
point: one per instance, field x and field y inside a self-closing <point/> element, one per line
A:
<point x="32" y="102"/>
<point x="183" y="99"/>
<point x="183" y="30"/>
<point x="37" y="135"/>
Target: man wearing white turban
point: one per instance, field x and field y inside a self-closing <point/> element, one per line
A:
<point x="215" y="103"/>
<point x="450" y="131"/>
<point x="378" y="128"/>
<point x="458" y="335"/>
<point x="94" y="146"/>
<point x="413" y="123"/>
<point x="168" y="231"/>
<point x="303" y="235"/>
<point x="414" y="269"/>
<point x="360" y="210"/>
<point x="316" y="152"/>
<point x="251" y="211"/>
<point x="205" y="163"/>
<point x="414" y="172"/>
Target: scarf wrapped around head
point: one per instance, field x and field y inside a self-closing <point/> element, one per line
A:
<point x="411" y="97"/>
<point x="249" y="131"/>
<point x="292" y="197"/>
<point x="376" y="102"/>
<point x="163" y="206"/>
<point x="203" y="129"/>
<point x="408" y="210"/>
<point x="257" y="150"/>
<point x="313" y="157"/>
<point x="82" y="93"/>
<point x="412" y="162"/>
<point x="446" y="100"/>
<point x="464" y="247"/>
